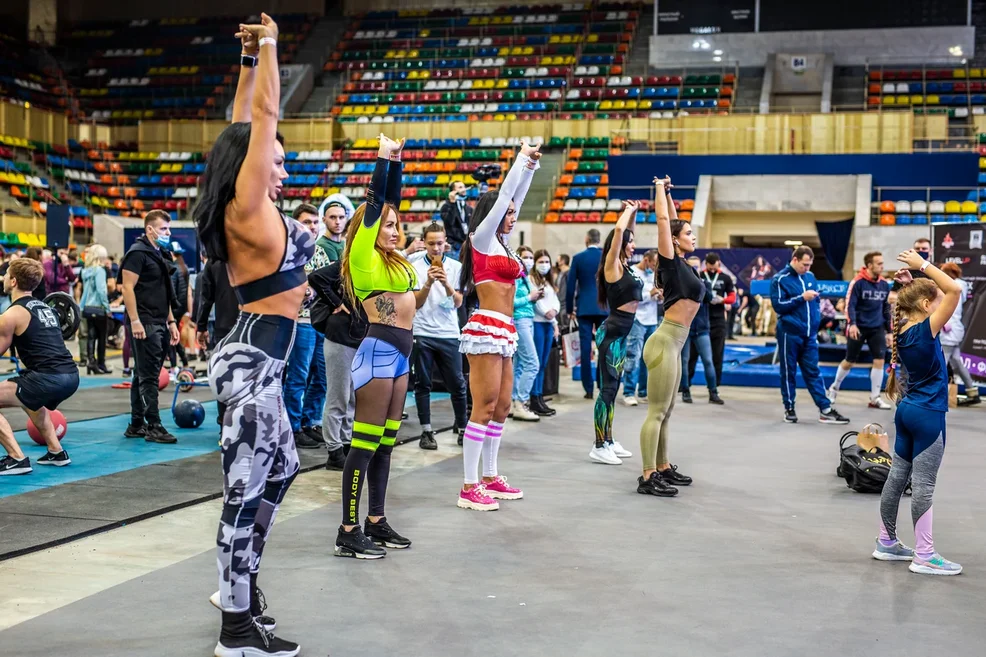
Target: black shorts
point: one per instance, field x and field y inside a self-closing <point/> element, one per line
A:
<point x="876" y="338"/>
<point x="36" y="390"/>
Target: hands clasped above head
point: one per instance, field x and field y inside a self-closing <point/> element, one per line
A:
<point x="532" y="152"/>
<point x="253" y="33"/>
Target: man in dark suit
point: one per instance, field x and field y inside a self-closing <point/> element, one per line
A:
<point x="456" y="214"/>
<point x="580" y="294"/>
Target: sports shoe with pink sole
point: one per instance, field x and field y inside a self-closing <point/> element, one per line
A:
<point x="476" y="499"/>
<point x="499" y="489"/>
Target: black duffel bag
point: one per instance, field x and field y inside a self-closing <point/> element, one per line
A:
<point x="865" y="471"/>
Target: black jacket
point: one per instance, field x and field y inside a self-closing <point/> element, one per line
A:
<point x="453" y="222"/>
<point x="143" y="245"/>
<point x="213" y="288"/>
<point x="180" y="285"/>
<point x="342" y="328"/>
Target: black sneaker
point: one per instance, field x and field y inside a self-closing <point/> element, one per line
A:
<point x="427" y="440"/>
<point x="242" y="635"/>
<point x="588" y="395"/>
<point x="459" y="432"/>
<point x="315" y="433"/>
<point x="655" y="485"/>
<point x="686" y="396"/>
<point x="714" y="398"/>
<point x="831" y="416"/>
<point x="127" y="372"/>
<point x="790" y="416"/>
<point x="11" y="466"/>
<point x="336" y="460"/>
<point x="135" y="431"/>
<point x="156" y="433"/>
<point x="970" y="400"/>
<point x="303" y="441"/>
<point x="672" y="476"/>
<point x="384" y="535"/>
<point x="59" y="459"/>
<point x="356" y="544"/>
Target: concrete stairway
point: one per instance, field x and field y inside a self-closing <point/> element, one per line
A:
<point x="638" y="61"/>
<point x="316" y="51"/>
<point x="848" y="88"/>
<point x="542" y="187"/>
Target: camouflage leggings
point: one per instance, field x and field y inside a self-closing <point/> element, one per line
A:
<point x="258" y="451"/>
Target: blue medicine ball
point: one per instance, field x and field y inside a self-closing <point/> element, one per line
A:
<point x="189" y="414"/>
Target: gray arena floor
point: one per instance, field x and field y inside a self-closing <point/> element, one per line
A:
<point x="767" y="554"/>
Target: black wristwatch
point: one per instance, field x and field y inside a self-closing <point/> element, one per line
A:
<point x="248" y="60"/>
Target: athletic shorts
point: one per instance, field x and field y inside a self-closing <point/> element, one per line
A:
<point x="876" y="338"/>
<point x="383" y="354"/>
<point x="36" y="390"/>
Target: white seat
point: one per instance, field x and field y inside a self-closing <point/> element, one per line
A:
<point x="581" y="70"/>
<point x="571" y="205"/>
<point x="585" y="204"/>
<point x="542" y="71"/>
<point x="485" y="142"/>
<point x="903" y="88"/>
<point x="919" y="207"/>
<point x="500" y="61"/>
<point x="530" y="72"/>
<point x="431" y="205"/>
<point x="453" y="84"/>
<point x="555" y="94"/>
<point x="464" y="84"/>
<point x="614" y="204"/>
<point x="961" y="112"/>
<point x="599" y="204"/>
<point x="902" y="207"/>
<point x="492" y="107"/>
<point x="332" y="167"/>
<point x="593" y="70"/>
<point x="348" y="167"/>
<point x="363" y="119"/>
<point x="499" y="142"/>
<point x="388" y="119"/>
<point x="936" y="207"/>
<point x="613" y="81"/>
<point x="431" y="85"/>
<point x="476" y="62"/>
<point x="417" y="205"/>
<point x="572" y="94"/>
<point x="978" y="110"/>
<point x="626" y="81"/>
<point x="889" y="88"/>
<point x="376" y="119"/>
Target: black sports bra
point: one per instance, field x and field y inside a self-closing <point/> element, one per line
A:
<point x="298" y="250"/>
<point x="678" y="281"/>
<point x="629" y="288"/>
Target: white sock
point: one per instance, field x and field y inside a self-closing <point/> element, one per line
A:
<point x="426" y="427"/>
<point x="472" y="451"/>
<point x="491" y="447"/>
<point x="876" y="381"/>
<point x="840" y="376"/>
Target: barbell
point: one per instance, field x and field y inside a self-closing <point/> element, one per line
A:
<point x="67" y="311"/>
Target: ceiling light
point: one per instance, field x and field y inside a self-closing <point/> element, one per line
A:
<point x="717" y="52"/>
<point x="793" y="242"/>
<point x="717" y="59"/>
<point x="705" y="45"/>
<point x="696" y="44"/>
<point x="955" y="51"/>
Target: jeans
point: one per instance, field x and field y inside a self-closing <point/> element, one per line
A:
<point x="703" y="348"/>
<point x="340" y="396"/>
<point x="544" y="336"/>
<point x="444" y="352"/>
<point x="148" y="360"/>
<point x="634" y="369"/>
<point x="525" y="360"/>
<point x="296" y="373"/>
<point x="587" y="331"/>
<point x="311" y="412"/>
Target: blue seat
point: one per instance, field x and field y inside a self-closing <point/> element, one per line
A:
<point x="915" y="87"/>
<point x="978" y="99"/>
<point x="651" y="92"/>
<point x="580" y="179"/>
<point x="903" y="219"/>
<point x="970" y="218"/>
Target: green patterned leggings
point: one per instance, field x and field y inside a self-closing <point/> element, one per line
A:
<point x="611" y="341"/>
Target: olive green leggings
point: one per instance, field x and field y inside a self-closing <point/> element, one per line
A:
<point x="662" y="355"/>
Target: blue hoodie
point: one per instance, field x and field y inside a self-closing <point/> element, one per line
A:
<point x="795" y="315"/>
<point x="867" y="305"/>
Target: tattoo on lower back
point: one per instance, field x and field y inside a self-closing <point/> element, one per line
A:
<point x="386" y="310"/>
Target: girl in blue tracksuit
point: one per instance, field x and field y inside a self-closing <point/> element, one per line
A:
<point x="794" y="296"/>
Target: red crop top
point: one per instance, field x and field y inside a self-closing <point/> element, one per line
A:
<point x="499" y="268"/>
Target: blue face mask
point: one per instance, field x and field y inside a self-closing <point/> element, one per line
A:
<point x="925" y="254"/>
<point x="163" y="242"/>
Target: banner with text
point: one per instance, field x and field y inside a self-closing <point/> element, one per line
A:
<point x="963" y="245"/>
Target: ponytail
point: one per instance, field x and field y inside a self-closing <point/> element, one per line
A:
<point x="894" y="383"/>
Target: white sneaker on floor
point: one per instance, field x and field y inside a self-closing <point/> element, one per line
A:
<point x="523" y="413"/>
<point x="604" y="455"/>
<point x="630" y="401"/>
<point x="619" y="451"/>
<point x="877" y="402"/>
<point x="831" y="393"/>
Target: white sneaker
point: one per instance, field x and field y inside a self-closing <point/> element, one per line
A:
<point x="619" y="451"/>
<point x="630" y="401"/>
<point x="524" y="414"/>
<point x="877" y="402"/>
<point x="831" y="393"/>
<point x="604" y="455"/>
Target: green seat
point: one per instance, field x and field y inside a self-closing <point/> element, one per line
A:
<point x="578" y="142"/>
<point x="692" y="79"/>
<point x="556" y="142"/>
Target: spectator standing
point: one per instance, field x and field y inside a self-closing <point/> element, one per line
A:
<point x="699" y="344"/>
<point x="95" y="309"/>
<point x="952" y="336"/>
<point x="436" y="332"/>
<point x="560" y="277"/>
<point x="304" y="375"/>
<point x="546" y="311"/>
<point x="335" y="211"/>
<point x="645" y="322"/>
<point x="581" y="297"/>
<point x="794" y="297"/>
<point x="526" y="364"/>
<point x="59" y="275"/>
<point x="923" y="246"/>
<point x="723" y="297"/>
<point x="456" y="213"/>
<point x="150" y="323"/>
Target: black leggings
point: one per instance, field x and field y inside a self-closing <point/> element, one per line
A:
<point x="175" y="352"/>
<point x="96" y="340"/>
<point x="611" y="340"/>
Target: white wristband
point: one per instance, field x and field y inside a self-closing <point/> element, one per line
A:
<point x="924" y="265"/>
<point x="267" y="41"/>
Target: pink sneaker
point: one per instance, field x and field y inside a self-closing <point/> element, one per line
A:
<point x="499" y="489"/>
<point x="476" y="499"/>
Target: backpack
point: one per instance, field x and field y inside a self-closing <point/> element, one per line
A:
<point x="864" y="471"/>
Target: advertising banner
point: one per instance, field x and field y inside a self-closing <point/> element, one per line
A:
<point x="963" y="245"/>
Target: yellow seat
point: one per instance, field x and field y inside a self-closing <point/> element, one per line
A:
<point x="318" y="192"/>
<point x="958" y="73"/>
<point x="405" y="206"/>
<point x="500" y="84"/>
<point x="970" y="207"/>
<point x="606" y="105"/>
<point x="982" y="163"/>
<point x="554" y="39"/>
<point x="332" y="190"/>
<point x="932" y="100"/>
<point x="953" y="207"/>
<point x="528" y="50"/>
<point x="360" y="143"/>
<point x="442" y="155"/>
<point x="619" y="104"/>
<point x="903" y="100"/>
<point x="382" y="109"/>
<point x="917" y="100"/>
<point x="593" y="38"/>
<point x="888" y="100"/>
<point x="975" y="72"/>
<point x="442" y="179"/>
<point x="631" y="104"/>
<point x="347" y="109"/>
<point x="644" y="105"/>
<point x="424" y="34"/>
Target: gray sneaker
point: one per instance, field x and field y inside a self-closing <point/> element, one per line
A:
<point x="935" y="565"/>
<point x="896" y="552"/>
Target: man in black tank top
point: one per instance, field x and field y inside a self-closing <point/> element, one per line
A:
<point x="49" y="375"/>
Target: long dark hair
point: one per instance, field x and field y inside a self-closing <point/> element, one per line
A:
<point x="182" y="267"/>
<point x="218" y="187"/>
<point x="483" y="207"/>
<point x="601" y="284"/>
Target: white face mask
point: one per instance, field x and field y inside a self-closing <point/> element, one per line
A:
<point x="529" y="263"/>
<point x="544" y="268"/>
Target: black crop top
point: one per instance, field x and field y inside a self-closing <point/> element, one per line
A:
<point x="678" y="281"/>
<point x="629" y="288"/>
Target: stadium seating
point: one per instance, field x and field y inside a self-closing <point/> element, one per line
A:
<point x="958" y="91"/>
<point x="175" y="68"/>
<point x="24" y="77"/>
<point x="487" y="64"/>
